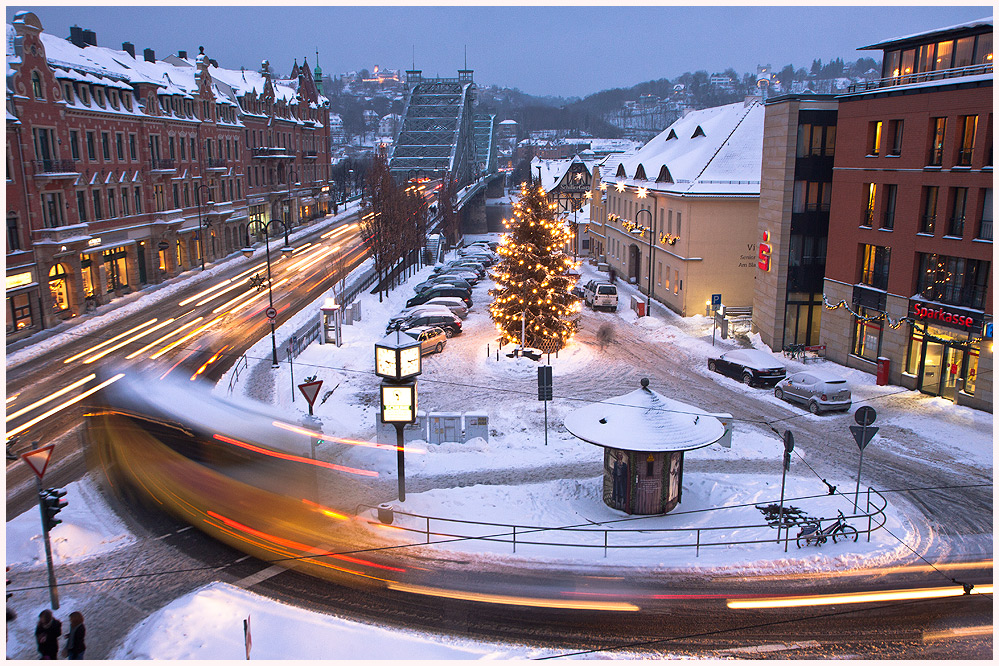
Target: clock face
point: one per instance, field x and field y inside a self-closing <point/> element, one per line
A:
<point x="398" y="403"/>
<point x="385" y="362"/>
<point x="410" y="361"/>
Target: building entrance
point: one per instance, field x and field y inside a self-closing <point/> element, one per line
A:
<point x="943" y="363"/>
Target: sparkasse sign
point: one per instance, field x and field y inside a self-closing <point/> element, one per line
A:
<point x="956" y="317"/>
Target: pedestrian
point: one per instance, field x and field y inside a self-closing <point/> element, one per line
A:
<point x="613" y="275"/>
<point x="47" y="635"/>
<point x="75" y="645"/>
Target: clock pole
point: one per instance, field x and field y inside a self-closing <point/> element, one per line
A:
<point x="400" y="454"/>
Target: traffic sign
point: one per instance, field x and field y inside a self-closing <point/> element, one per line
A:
<point x="788" y="441"/>
<point x="271" y="313"/>
<point x="865" y="416"/>
<point x="715" y="301"/>
<point x="310" y="390"/>
<point x="38" y="459"/>
<point x="863" y="435"/>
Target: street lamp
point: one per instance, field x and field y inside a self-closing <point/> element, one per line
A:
<point x="201" y="232"/>
<point x="648" y="295"/>
<point x="285" y="251"/>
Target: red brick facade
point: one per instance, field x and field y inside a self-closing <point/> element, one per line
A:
<point x="106" y="169"/>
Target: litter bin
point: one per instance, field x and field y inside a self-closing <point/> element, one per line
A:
<point x="884" y="365"/>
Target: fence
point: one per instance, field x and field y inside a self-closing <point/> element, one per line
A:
<point x="238" y="367"/>
<point x="593" y="536"/>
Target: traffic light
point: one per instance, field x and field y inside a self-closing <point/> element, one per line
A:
<point x="52" y="503"/>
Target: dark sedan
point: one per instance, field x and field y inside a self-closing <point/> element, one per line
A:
<point x="751" y="366"/>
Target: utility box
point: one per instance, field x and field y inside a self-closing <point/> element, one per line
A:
<point x="476" y="425"/>
<point x="638" y="305"/>
<point x="417" y="430"/>
<point x="729" y="423"/>
<point x="443" y="427"/>
<point x="348" y="315"/>
<point x="356" y="306"/>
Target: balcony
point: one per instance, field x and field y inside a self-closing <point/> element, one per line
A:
<point x="310" y="154"/>
<point x="273" y="152"/>
<point x="162" y="166"/>
<point x="921" y="77"/>
<point x="55" y="169"/>
<point x="217" y="164"/>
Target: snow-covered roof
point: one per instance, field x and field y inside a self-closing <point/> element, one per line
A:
<point x="553" y="171"/>
<point x="712" y="151"/>
<point x="644" y="420"/>
<point x="927" y="33"/>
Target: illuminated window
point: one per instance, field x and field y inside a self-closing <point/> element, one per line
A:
<point x="874" y="270"/>
<point x="969" y="124"/>
<point x="874" y="138"/>
<point x="938" y="128"/>
<point x="59" y="288"/>
<point x="872" y="192"/>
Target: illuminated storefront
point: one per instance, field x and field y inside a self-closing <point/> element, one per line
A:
<point x="944" y="346"/>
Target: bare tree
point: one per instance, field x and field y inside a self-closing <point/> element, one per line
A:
<point x="378" y="212"/>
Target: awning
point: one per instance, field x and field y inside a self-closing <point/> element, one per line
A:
<point x="108" y="246"/>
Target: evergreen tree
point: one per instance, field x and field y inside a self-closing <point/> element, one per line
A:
<point x="533" y="282"/>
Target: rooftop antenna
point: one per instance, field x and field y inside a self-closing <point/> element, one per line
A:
<point x="414" y="57"/>
<point x="466" y="56"/>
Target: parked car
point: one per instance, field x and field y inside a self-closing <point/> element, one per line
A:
<point x="479" y="254"/>
<point x="447" y="321"/>
<point x="453" y="304"/>
<point x="432" y="338"/>
<point x="600" y="294"/>
<point x="443" y="278"/>
<point x="468" y="276"/>
<point x="819" y="390"/>
<point x="426" y="308"/>
<point x="469" y="266"/>
<point x="752" y="366"/>
<point x="435" y="292"/>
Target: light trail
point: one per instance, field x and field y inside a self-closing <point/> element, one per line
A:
<point x="50" y="398"/>
<point x="957" y="632"/>
<point x="353" y="442"/>
<point x="243" y="306"/>
<point x="300" y="248"/>
<point x="234" y="285"/>
<point x="207" y="363"/>
<point x="124" y="342"/>
<point x="218" y="286"/>
<point x="311" y="258"/>
<point x="63" y="406"/>
<point x="164" y="337"/>
<point x="185" y="338"/>
<point x="293" y="458"/>
<point x="319" y="258"/>
<point x="856" y="597"/>
<point x="514" y="601"/>
<point x="114" y="339"/>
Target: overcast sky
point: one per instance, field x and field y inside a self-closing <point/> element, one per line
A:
<point x="554" y="50"/>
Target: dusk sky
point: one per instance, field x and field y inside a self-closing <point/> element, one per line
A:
<point x="553" y="50"/>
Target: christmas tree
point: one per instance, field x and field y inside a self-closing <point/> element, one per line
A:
<point x="533" y="293"/>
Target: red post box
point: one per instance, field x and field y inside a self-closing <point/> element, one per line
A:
<point x="884" y="365"/>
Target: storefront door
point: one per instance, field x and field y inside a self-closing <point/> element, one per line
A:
<point x="951" y="372"/>
<point x="932" y="365"/>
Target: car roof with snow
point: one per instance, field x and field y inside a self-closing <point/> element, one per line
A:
<point x="822" y="375"/>
<point x="753" y="358"/>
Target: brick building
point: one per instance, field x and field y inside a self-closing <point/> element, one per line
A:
<point x="125" y="171"/>
<point x="909" y="261"/>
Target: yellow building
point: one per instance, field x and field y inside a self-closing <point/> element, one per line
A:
<point x="684" y="209"/>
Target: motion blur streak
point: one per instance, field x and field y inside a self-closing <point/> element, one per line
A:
<point x="63" y="406"/>
<point x="234" y="285"/>
<point x="164" y="337"/>
<point x="185" y="338"/>
<point x="316" y="259"/>
<point x="340" y="440"/>
<point x="49" y="398"/>
<point x="288" y="456"/>
<point x="921" y="568"/>
<point x="857" y="597"/>
<point x="124" y="342"/>
<point x="340" y="230"/>
<point x="325" y="511"/>
<point x="957" y="632"/>
<point x="301" y="248"/>
<point x="221" y="284"/>
<point x="107" y="342"/>
<point x="216" y="356"/>
<point x="514" y="601"/>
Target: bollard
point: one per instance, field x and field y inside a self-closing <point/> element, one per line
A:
<point x="488" y="353"/>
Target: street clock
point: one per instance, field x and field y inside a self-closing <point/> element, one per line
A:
<point x="397" y="359"/>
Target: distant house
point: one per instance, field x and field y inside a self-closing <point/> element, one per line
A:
<point x="389" y="125"/>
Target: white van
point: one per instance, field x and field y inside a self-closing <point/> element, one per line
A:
<point x="600" y="294"/>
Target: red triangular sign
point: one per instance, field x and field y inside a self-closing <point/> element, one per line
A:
<point x="310" y="390"/>
<point x="38" y="460"/>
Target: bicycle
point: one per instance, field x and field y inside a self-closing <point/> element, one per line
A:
<point x="813" y="533"/>
<point x="794" y="352"/>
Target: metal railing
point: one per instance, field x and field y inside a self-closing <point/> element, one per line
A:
<point x="163" y="164"/>
<point x="217" y="163"/>
<point x="920" y="77"/>
<point x="55" y="166"/>
<point x="238" y="367"/>
<point x="593" y="536"/>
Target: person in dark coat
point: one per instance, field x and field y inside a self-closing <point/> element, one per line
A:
<point x="47" y="635"/>
<point x="75" y="645"/>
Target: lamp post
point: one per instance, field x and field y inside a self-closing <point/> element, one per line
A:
<point x="248" y="252"/>
<point x="648" y="295"/>
<point x="201" y="231"/>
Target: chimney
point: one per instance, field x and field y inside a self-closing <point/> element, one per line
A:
<point x="90" y="37"/>
<point x="129" y="48"/>
<point x="149" y="55"/>
<point x="182" y="55"/>
<point x="76" y="37"/>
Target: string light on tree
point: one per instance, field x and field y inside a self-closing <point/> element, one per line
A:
<point x="533" y="291"/>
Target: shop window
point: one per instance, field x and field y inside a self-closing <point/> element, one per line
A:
<point x="20" y="312"/>
<point x="867" y="331"/>
<point x="59" y="288"/>
<point x="115" y="267"/>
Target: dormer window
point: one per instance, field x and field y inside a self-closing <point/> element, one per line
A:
<point x="99" y="96"/>
<point x="67" y="92"/>
<point x="620" y="172"/>
<point x="126" y="100"/>
<point x="85" y="94"/>
<point x="697" y="132"/>
<point x="664" y="175"/>
<point x="36" y="86"/>
<point x="113" y="98"/>
<point x="671" y="135"/>
<point x="640" y="173"/>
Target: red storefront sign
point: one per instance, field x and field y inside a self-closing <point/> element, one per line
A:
<point x="943" y="315"/>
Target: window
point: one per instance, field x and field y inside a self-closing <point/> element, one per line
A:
<point x="960" y="199"/>
<point x="964" y="52"/>
<point x="132" y="153"/>
<point x="239" y="194"/>
<point x="187" y="195"/>
<point x="895" y="128"/>
<point x="676" y="282"/>
<point x="58" y="287"/>
<point x="985" y="224"/>
<point x="969" y="124"/>
<point x="953" y="280"/>
<point x="871" y="195"/>
<point x="113" y="98"/>
<point x="36" y="86"/>
<point x="176" y="196"/>
<point x="183" y="148"/>
<point x="678" y="224"/>
<point x="669" y="223"/>
<point x="929" y="219"/>
<point x="99" y="96"/>
<point x="937" y="128"/>
<point x="13" y="235"/>
<point x="874" y="139"/>
<point x="106" y="145"/>
<point x="119" y="146"/>
<point x="874" y="270"/>
<point x="925" y="57"/>
<point x="867" y="334"/>
<point x="126" y="100"/>
<point x="91" y="147"/>
<point x="945" y="51"/>
<point x="111" y="200"/>
<point x="81" y="205"/>
<point x="98" y="211"/>
<point x="52" y="208"/>
<point x="124" y="202"/>
<point x="85" y="94"/>
<point x="138" y="200"/>
<point x="158" y="197"/>
<point x="983" y="49"/>
<point x="891" y="193"/>
<point x="74" y="144"/>
<point x="67" y="93"/>
<point x="170" y="148"/>
<point x="194" y="152"/>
